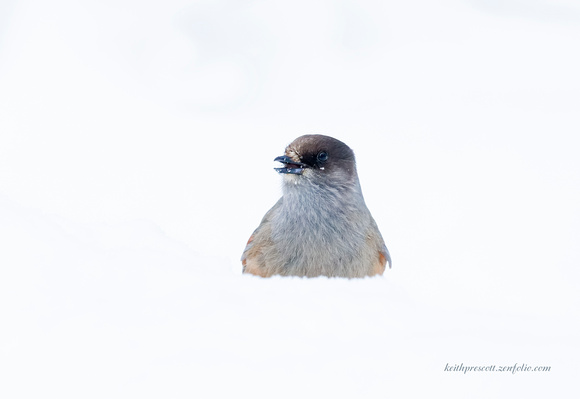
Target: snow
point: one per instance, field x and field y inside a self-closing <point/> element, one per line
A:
<point x="136" y="147"/>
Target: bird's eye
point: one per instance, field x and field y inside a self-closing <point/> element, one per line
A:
<point x="322" y="156"/>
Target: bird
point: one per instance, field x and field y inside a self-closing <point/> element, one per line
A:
<point x="321" y="225"/>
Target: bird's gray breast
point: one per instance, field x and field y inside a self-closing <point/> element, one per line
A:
<point x="319" y="233"/>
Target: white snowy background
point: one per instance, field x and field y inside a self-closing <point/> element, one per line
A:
<point x="136" y="148"/>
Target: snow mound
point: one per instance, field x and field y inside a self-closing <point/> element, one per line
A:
<point x="122" y="311"/>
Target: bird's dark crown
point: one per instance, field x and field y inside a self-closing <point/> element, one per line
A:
<point x="321" y="152"/>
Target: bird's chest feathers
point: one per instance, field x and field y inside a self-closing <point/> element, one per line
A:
<point x="316" y="224"/>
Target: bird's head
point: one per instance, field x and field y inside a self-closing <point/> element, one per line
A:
<point x="318" y="159"/>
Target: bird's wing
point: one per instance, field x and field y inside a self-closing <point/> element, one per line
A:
<point x="252" y="258"/>
<point x="384" y="255"/>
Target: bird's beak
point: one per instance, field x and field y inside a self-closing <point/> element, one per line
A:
<point x="290" y="165"/>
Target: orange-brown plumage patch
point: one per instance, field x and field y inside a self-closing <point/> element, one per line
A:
<point x="253" y="268"/>
<point x="250" y="239"/>
<point x="379" y="267"/>
<point x="382" y="259"/>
